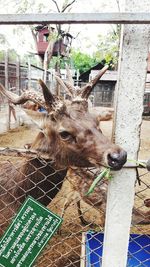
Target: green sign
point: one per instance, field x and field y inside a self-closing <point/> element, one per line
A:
<point x="31" y="229"/>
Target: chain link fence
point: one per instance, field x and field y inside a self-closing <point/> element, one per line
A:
<point x="83" y="216"/>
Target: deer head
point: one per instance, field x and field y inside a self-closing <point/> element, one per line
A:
<point x="69" y="134"/>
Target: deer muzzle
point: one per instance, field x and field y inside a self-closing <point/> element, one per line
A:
<point x="117" y="160"/>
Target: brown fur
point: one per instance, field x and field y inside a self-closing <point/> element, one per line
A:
<point x="32" y="106"/>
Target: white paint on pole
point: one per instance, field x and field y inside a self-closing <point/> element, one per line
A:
<point x="7" y="85"/>
<point x="6" y="69"/>
<point x="18" y="75"/>
<point x="29" y="72"/>
<point x="128" y="118"/>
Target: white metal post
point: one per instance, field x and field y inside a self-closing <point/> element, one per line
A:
<point x="29" y="72"/>
<point x="128" y="118"/>
<point x="18" y="75"/>
<point x="7" y="84"/>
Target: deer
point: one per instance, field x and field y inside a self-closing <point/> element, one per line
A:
<point x="68" y="136"/>
<point x="81" y="179"/>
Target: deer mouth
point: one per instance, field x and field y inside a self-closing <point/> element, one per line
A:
<point x="117" y="160"/>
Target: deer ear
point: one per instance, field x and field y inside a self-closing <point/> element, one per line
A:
<point x="38" y="118"/>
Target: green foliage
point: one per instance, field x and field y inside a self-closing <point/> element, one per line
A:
<point x="33" y="60"/>
<point x="2" y="56"/>
<point x="108" y="47"/>
<point x="3" y="40"/>
<point x="25" y="6"/>
<point x="13" y="57"/>
<point x="107" y="51"/>
<point x="11" y="54"/>
<point x="58" y="61"/>
<point x="82" y="61"/>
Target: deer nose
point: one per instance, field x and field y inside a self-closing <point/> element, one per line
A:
<point x="117" y="160"/>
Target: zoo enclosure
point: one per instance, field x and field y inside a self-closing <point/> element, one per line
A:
<point x="18" y="77"/>
<point x="119" y="203"/>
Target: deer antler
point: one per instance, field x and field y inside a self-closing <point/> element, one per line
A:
<point x="45" y="102"/>
<point x="69" y="76"/>
<point x="28" y="95"/>
<point x="70" y="88"/>
<point x="70" y="82"/>
<point x="49" y="102"/>
<point x="15" y="99"/>
<point x="53" y="103"/>
<point x="49" y="98"/>
<point x="83" y="92"/>
<point x="86" y="90"/>
<point x="65" y="85"/>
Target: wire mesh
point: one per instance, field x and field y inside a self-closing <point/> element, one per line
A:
<point x="43" y="184"/>
<point x="65" y="195"/>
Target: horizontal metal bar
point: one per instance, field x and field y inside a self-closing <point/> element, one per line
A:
<point x="77" y="18"/>
<point x="16" y="152"/>
<point x="134" y="165"/>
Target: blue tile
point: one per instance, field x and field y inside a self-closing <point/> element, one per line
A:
<point x="138" y="252"/>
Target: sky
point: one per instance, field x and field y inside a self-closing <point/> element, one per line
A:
<point x="87" y="34"/>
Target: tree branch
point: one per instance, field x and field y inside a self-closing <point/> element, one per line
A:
<point x="65" y="7"/>
<point x="14" y="152"/>
<point x="48" y="55"/>
<point x="34" y="36"/>
<point x="56" y="5"/>
<point x="118" y="5"/>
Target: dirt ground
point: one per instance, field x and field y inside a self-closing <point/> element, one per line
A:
<point x="64" y="249"/>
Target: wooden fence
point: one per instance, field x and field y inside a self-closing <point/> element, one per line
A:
<point x="18" y="76"/>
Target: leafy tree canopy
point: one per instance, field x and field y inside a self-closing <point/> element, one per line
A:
<point x="108" y="47"/>
<point x="11" y="54"/>
<point x="106" y="52"/>
<point x="82" y="61"/>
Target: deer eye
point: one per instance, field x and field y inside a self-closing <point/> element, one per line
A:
<point x="65" y="135"/>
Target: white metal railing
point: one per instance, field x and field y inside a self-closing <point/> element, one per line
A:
<point x="78" y="18"/>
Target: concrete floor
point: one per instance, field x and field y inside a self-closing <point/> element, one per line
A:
<point x="22" y="118"/>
